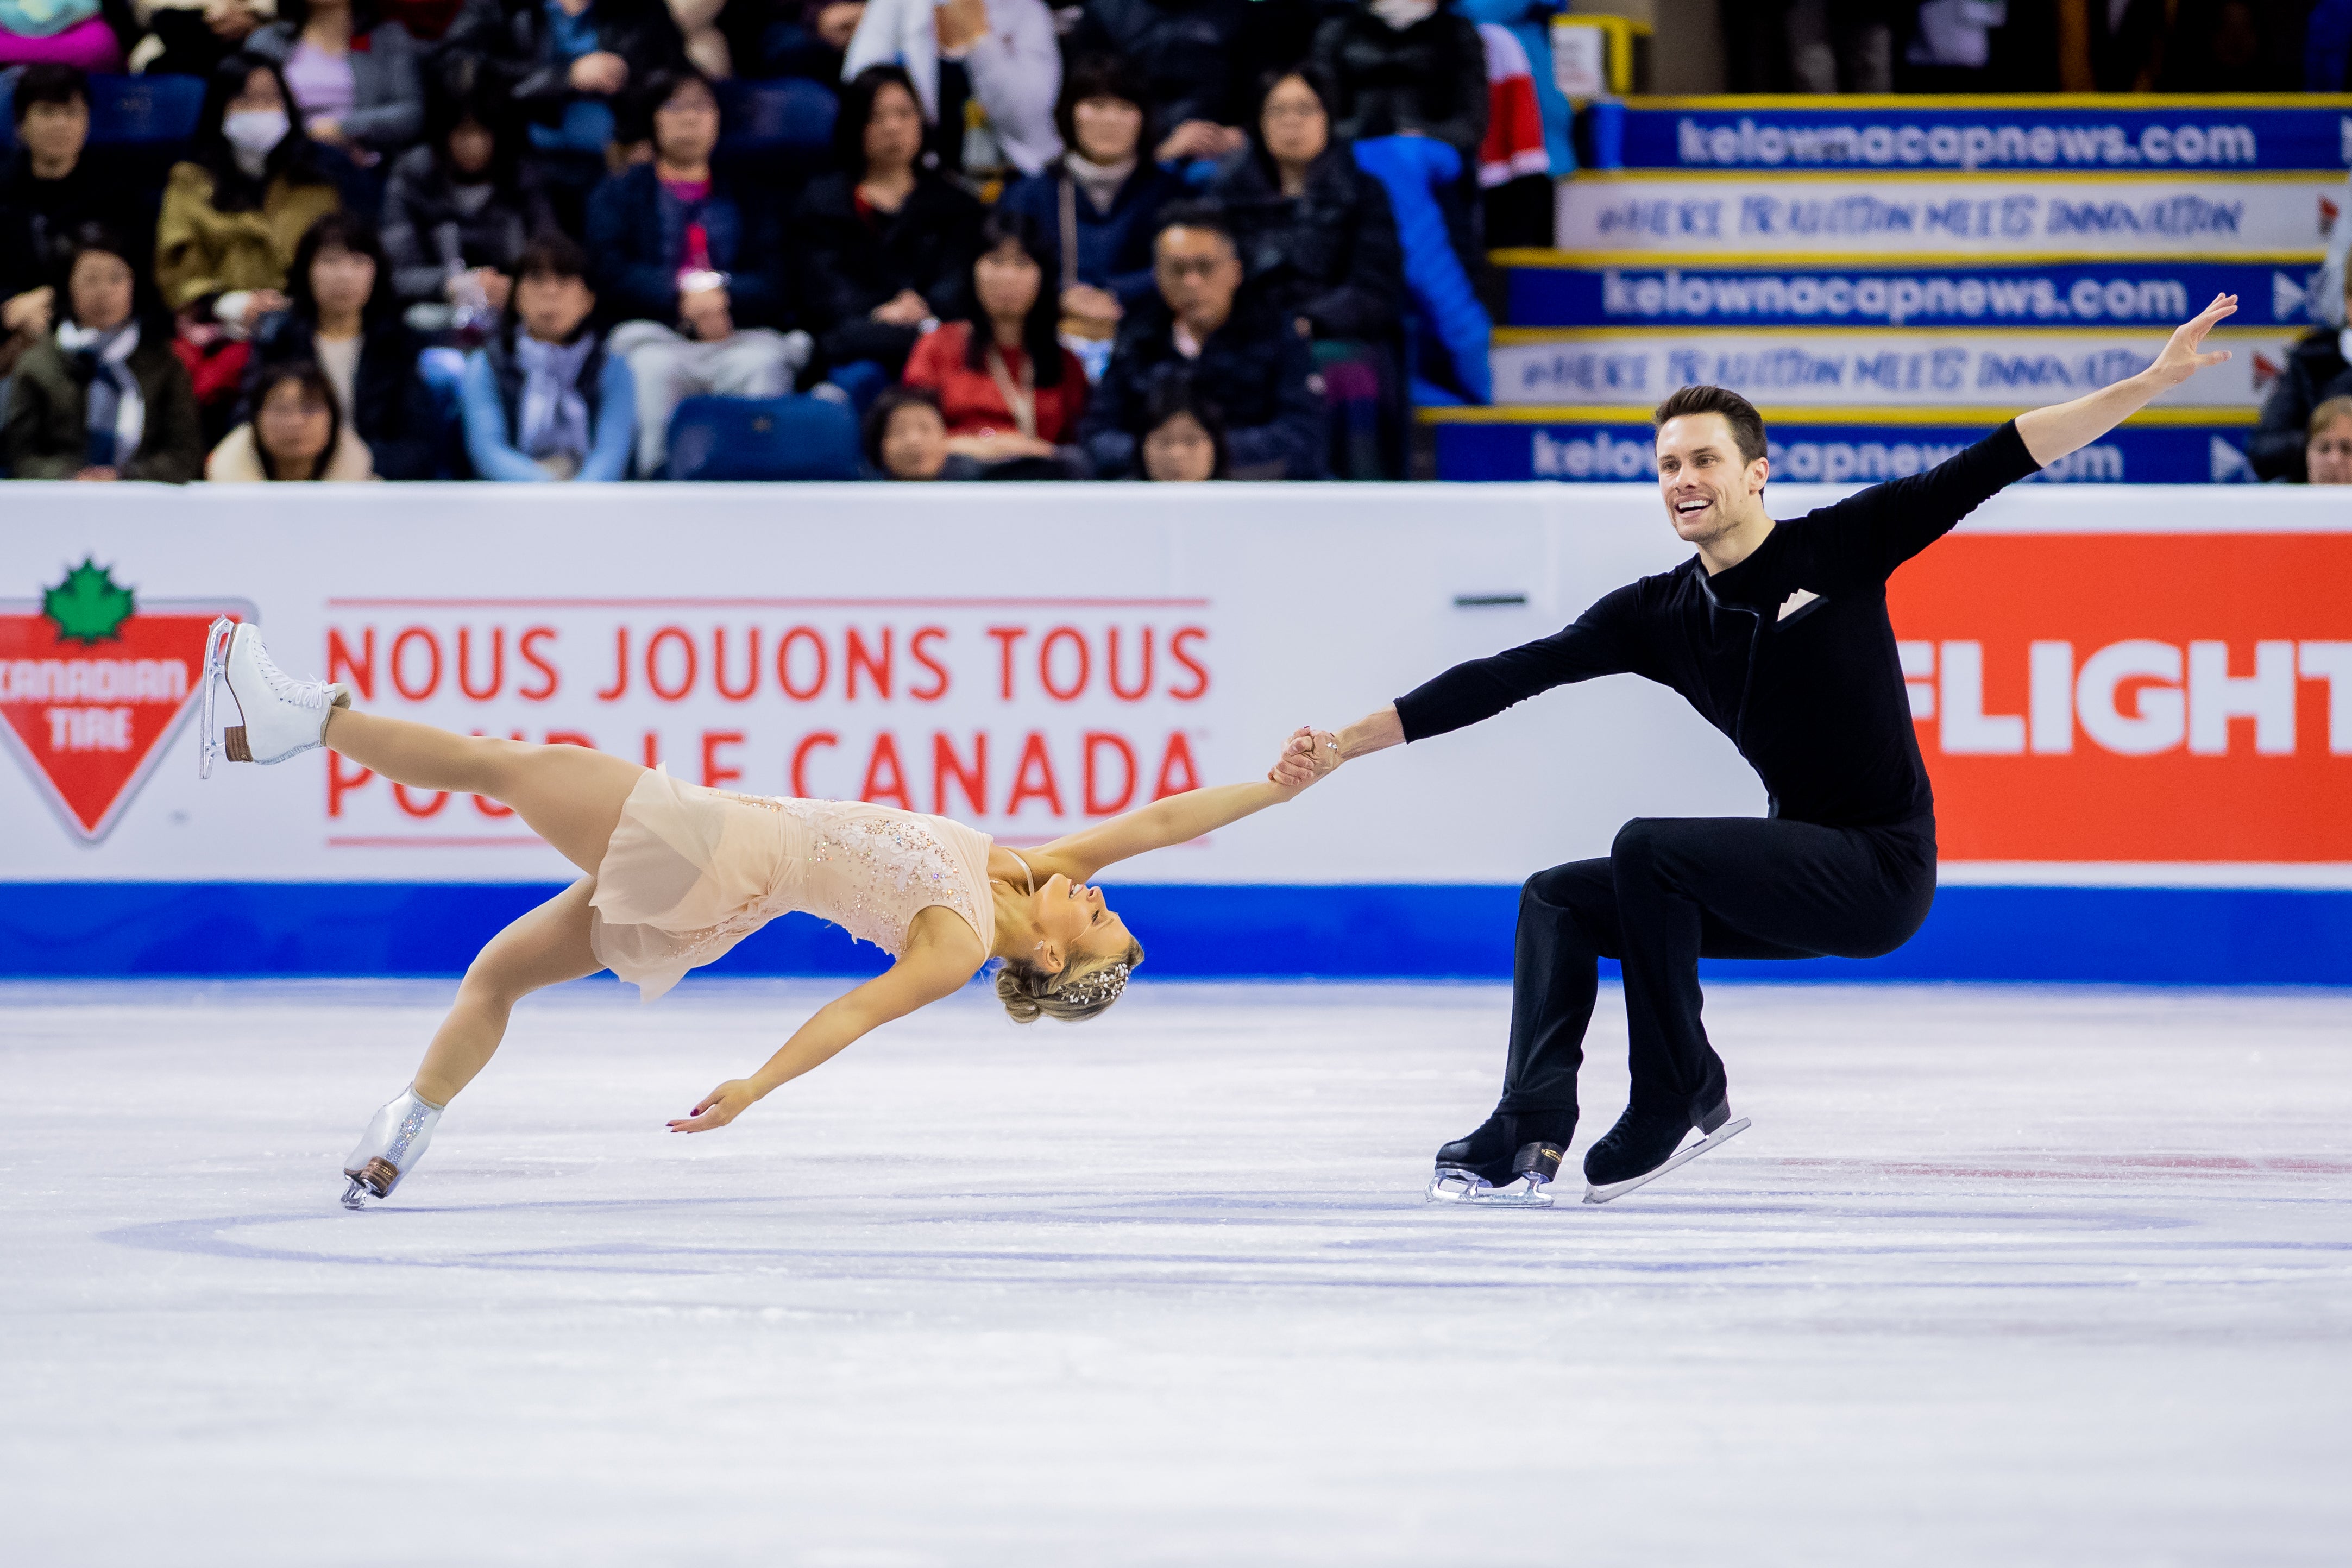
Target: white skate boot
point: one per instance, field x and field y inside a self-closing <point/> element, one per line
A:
<point x="395" y="1141"/>
<point x="282" y="716"/>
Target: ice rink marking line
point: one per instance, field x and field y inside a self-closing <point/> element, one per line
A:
<point x="205" y="1237"/>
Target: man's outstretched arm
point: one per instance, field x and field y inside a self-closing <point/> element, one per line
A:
<point x="2051" y="432"/>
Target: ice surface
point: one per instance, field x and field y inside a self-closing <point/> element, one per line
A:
<point x="1999" y="1276"/>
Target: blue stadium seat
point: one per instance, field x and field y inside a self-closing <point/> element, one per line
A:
<point x="763" y="438"/>
<point x="786" y="116"/>
<point x="125" y="111"/>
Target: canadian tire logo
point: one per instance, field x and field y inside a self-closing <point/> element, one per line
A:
<point x="94" y="682"/>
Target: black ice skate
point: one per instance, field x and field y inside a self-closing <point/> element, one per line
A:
<point x="1644" y="1146"/>
<point x="1509" y="1163"/>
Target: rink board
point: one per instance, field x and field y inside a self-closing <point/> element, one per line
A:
<point x="1986" y="215"/>
<point x="2219" y="135"/>
<point x="1814" y="367"/>
<point x="1589" y="444"/>
<point x="1556" y="288"/>
<point x="2136" y="703"/>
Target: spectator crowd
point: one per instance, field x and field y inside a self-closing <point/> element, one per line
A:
<point x="540" y="240"/>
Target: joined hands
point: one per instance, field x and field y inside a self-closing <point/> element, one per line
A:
<point x="1309" y="754"/>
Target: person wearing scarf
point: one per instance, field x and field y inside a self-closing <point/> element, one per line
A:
<point x="542" y="400"/>
<point x="101" y="398"/>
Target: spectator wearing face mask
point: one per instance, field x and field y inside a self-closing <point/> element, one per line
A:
<point x="236" y="208"/>
<point x="543" y="400"/>
<point x="1239" y="354"/>
<point x="884" y="246"/>
<point x="695" y="274"/>
<point x="1405" y="67"/>
<point x="340" y="315"/>
<point x="103" y="397"/>
<point x="53" y="187"/>
<point x="296" y="432"/>
<point x="567" y="64"/>
<point x="1099" y="203"/>
<point x="1006" y="386"/>
<point x="457" y="211"/>
<point x="906" y="437"/>
<point x="1183" y="434"/>
<point x="2318" y="368"/>
<point x="2328" y="446"/>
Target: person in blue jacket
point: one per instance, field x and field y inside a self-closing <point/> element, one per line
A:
<point x="542" y="399"/>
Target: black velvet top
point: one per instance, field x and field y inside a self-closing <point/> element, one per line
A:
<point x="1790" y="653"/>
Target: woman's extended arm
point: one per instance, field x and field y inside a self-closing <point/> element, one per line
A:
<point x="1179" y="818"/>
<point x="923" y="973"/>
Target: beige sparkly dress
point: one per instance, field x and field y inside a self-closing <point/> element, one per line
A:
<point x="690" y="872"/>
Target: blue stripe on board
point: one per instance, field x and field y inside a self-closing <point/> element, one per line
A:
<point x="1826" y="453"/>
<point x="2123" y="293"/>
<point x="2215" y="139"/>
<point x="2136" y="935"/>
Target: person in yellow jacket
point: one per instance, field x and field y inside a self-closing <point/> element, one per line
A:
<point x="233" y="212"/>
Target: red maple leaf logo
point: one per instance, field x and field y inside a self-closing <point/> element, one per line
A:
<point x="89" y="705"/>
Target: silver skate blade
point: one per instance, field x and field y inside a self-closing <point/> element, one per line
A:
<point x="356" y="1195"/>
<point x="1455" y="1186"/>
<point x="1681" y="1158"/>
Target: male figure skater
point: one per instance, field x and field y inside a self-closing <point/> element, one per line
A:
<point x="1776" y="633"/>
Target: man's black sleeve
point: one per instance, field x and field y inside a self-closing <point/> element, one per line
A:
<point x="1598" y="642"/>
<point x="1868" y="536"/>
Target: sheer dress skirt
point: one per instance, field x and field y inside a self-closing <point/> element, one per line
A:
<point x="689" y="872"/>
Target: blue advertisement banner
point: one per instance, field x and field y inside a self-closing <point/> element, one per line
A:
<point x="2082" y="134"/>
<point x="1598" y="292"/>
<point x="1850" y="452"/>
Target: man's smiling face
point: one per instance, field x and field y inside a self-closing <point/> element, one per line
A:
<point x="1708" y="488"/>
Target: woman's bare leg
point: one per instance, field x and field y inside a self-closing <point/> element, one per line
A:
<point x="545" y="947"/>
<point x="568" y="795"/>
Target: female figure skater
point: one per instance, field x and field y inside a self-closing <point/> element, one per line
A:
<point x="676" y="874"/>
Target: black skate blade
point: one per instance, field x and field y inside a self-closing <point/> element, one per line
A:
<point x="1724" y="1133"/>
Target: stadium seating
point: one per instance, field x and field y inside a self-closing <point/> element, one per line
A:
<point x="713" y="438"/>
<point x="126" y="111"/>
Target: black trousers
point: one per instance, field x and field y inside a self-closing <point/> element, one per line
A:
<point x="1673" y="890"/>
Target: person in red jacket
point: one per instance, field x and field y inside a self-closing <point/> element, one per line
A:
<point x="1008" y="388"/>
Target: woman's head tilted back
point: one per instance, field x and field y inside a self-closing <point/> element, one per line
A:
<point x="1084" y="956"/>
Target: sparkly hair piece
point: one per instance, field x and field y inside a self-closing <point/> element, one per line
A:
<point x="1095" y="987"/>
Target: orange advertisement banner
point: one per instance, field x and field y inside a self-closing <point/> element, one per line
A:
<point x="2133" y="698"/>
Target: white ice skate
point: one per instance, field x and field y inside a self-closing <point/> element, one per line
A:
<point x="395" y="1141"/>
<point x="282" y="716"/>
